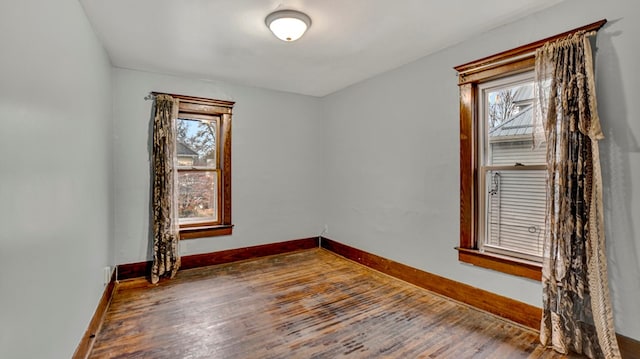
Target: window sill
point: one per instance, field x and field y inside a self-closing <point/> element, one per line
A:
<point x="504" y="264"/>
<point x="206" y="231"/>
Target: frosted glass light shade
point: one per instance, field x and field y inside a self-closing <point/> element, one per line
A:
<point x="288" y="25"/>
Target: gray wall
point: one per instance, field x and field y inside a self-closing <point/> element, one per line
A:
<point x="392" y="155"/>
<point x="276" y="165"/>
<point x="55" y="176"/>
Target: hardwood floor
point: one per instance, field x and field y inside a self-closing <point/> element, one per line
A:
<point x="307" y="304"/>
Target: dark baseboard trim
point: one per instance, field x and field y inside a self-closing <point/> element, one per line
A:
<point x="133" y="270"/>
<point x="86" y="343"/>
<point x="508" y="308"/>
<point x="505" y="307"/>
<point x="142" y="269"/>
<point x="238" y="254"/>
<point x="629" y="348"/>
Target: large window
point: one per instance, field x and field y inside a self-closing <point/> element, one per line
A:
<point x="203" y="159"/>
<point x="511" y="170"/>
<point x="502" y="175"/>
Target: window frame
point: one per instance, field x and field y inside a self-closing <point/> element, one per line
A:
<point x="199" y="106"/>
<point x="470" y="76"/>
<point x="485" y="152"/>
<point x="203" y="169"/>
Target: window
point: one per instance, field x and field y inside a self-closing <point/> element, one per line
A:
<point x="511" y="170"/>
<point x="203" y="162"/>
<point x="502" y="177"/>
<point x="499" y="171"/>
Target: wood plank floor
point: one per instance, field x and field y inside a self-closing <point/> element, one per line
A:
<point x="308" y="304"/>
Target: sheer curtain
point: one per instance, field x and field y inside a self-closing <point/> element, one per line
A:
<point x="577" y="312"/>
<point x="166" y="256"/>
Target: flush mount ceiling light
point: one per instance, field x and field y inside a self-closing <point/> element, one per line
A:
<point x="288" y="25"/>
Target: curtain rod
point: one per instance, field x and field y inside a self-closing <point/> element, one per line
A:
<point x="525" y="50"/>
<point x="191" y="99"/>
<point x="518" y="57"/>
<point x="153" y="94"/>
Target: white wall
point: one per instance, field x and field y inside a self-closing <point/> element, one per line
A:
<point x="55" y="176"/>
<point x="392" y="154"/>
<point x="276" y="164"/>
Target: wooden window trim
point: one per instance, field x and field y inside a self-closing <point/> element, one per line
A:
<point x="501" y="263"/>
<point x="190" y="105"/>
<point x="470" y="75"/>
<point x="205" y="231"/>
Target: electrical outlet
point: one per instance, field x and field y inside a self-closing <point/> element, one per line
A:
<point x="106" y="271"/>
<point x="326" y="229"/>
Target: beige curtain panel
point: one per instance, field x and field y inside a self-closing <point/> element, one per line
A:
<point x="577" y="314"/>
<point x="166" y="256"/>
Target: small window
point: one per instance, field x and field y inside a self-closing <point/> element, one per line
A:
<point x="203" y="162"/>
<point x="198" y="172"/>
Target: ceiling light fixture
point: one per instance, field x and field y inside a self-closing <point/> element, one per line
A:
<point x="288" y="25"/>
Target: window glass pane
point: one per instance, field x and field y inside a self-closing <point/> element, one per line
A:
<point x="515" y="211"/>
<point x="514" y="197"/>
<point x="508" y="114"/>
<point x="197" y="199"/>
<point x="196" y="142"/>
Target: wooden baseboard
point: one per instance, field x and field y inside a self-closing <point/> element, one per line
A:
<point x="629" y="348"/>
<point x="142" y="269"/>
<point x="86" y="343"/>
<point x="134" y="270"/>
<point x="505" y="307"/>
<point x="508" y="308"/>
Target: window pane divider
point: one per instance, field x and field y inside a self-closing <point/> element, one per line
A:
<point x="515" y="168"/>
<point x="196" y="168"/>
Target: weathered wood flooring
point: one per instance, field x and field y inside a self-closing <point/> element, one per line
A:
<point x="308" y="304"/>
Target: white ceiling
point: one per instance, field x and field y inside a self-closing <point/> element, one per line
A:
<point x="349" y="40"/>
